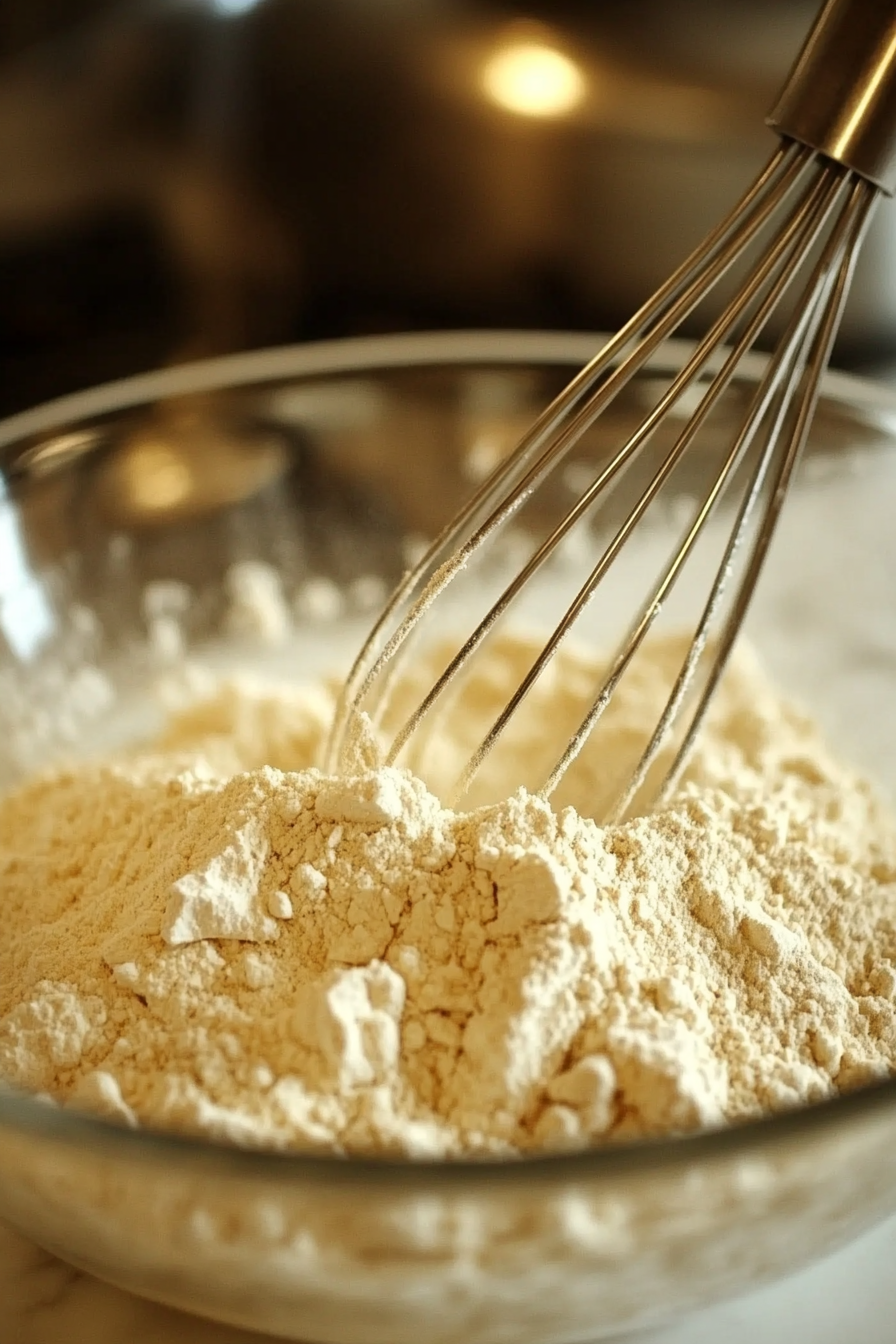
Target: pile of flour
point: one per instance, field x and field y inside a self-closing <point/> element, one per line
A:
<point x="212" y="935"/>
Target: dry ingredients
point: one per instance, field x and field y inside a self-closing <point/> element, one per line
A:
<point x="214" y="936"/>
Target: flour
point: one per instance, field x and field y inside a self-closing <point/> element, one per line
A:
<point x="257" y="608"/>
<point x="214" y="936"/>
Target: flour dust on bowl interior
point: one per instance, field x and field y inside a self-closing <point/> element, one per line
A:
<point x="325" y="1059"/>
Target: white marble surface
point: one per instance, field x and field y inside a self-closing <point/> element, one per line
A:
<point x="850" y="1298"/>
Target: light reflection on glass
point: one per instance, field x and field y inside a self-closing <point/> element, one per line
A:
<point x="26" y="619"/>
<point x="158" y="477"/>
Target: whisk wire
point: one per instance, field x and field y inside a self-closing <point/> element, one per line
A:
<point x="749" y="311"/>
<point x="812" y="204"/>
<point x="683" y="290"/>
<point x="801" y="231"/>
<point x="832" y="294"/>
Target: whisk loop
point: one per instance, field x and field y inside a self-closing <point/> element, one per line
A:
<point x="811" y="211"/>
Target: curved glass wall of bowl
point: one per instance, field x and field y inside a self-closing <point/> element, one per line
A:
<point x="376" y="443"/>
<point x="335" y="481"/>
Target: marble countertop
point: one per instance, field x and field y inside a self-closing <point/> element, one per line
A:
<point x="847" y="1299"/>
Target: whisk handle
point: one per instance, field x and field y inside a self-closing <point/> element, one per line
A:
<point x="840" y="96"/>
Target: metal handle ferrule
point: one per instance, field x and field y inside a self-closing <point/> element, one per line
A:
<point x="840" y="96"/>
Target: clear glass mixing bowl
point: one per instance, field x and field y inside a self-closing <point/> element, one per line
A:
<point x="330" y="462"/>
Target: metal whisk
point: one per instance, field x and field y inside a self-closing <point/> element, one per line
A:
<point x="798" y="230"/>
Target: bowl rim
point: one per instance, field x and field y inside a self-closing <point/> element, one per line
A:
<point x="34" y="1116"/>
<point x="358" y="353"/>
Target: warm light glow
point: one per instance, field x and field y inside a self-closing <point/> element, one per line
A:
<point x="158" y="477"/>
<point x="533" y="80"/>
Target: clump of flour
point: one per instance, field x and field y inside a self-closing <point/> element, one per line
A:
<point x="212" y="935"/>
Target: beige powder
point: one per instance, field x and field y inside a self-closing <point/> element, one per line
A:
<point x="216" y="937"/>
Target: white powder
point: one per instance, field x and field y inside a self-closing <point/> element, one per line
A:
<point x="215" y="937"/>
<point x="257" y="606"/>
<point x="320" y="599"/>
<point x="165" y="604"/>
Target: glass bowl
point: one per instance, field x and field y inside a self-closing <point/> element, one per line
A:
<point x="329" y="463"/>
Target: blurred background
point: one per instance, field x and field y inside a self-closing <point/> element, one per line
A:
<point x="181" y="178"/>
